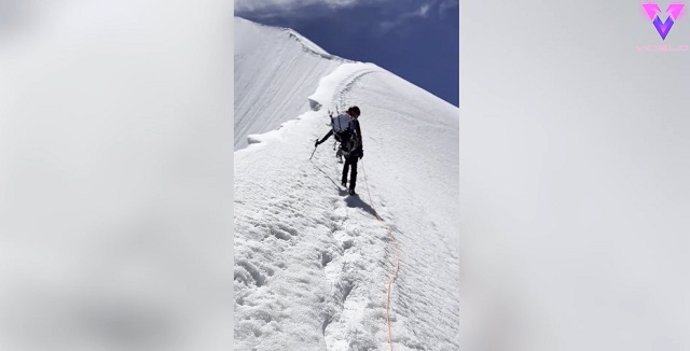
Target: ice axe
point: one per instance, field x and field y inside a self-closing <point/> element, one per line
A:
<point x="315" y="146"/>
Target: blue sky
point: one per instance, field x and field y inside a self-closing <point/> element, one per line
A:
<point x="417" y="40"/>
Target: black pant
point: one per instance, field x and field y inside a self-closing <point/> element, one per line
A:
<point x="350" y="161"/>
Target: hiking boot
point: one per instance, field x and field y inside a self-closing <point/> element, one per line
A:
<point x="352" y="192"/>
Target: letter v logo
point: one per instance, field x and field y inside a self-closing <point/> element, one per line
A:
<point x="653" y="11"/>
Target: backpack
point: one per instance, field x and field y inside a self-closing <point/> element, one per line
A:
<point x="341" y="123"/>
<point x="344" y="133"/>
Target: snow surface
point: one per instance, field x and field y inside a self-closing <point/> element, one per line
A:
<point x="311" y="264"/>
<point x="275" y="68"/>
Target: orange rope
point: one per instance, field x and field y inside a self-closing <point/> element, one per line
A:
<point x="390" y="283"/>
<point x="394" y="276"/>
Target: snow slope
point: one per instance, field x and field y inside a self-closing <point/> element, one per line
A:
<point x="312" y="264"/>
<point x="274" y="69"/>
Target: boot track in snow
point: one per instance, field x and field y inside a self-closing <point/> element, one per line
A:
<point x="314" y="270"/>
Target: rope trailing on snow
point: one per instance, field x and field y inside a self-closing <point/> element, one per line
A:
<point x="394" y="276"/>
<point x="326" y="174"/>
<point x="394" y="243"/>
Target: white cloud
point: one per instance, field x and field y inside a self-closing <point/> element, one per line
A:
<point x="287" y="5"/>
<point x="445" y="5"/>
<point x="424" y="10"/>
<point x="421" y="12"/>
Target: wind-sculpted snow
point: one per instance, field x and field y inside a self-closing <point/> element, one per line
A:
<point x="312" y="263"/>
<point x="275" y="69"/>
<point x="311" y="47"/>
<point x="337" y="82"/>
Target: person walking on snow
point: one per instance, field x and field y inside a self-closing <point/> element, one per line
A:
<point x="347" y="131"/>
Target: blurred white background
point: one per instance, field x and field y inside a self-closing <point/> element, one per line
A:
<point x="115" y="175"/>
<point x="575" y="160"/>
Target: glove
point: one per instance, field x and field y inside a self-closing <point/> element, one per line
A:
<point x="316" y="143"/>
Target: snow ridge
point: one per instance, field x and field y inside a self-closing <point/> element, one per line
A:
<point x="330" y="92"/>
<point x="308" y="45"/>
<point x="274" y="70"/>
<point x="315" y="267"/>
<point x="311" y="47"/>
<point x="338" y="82"/>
